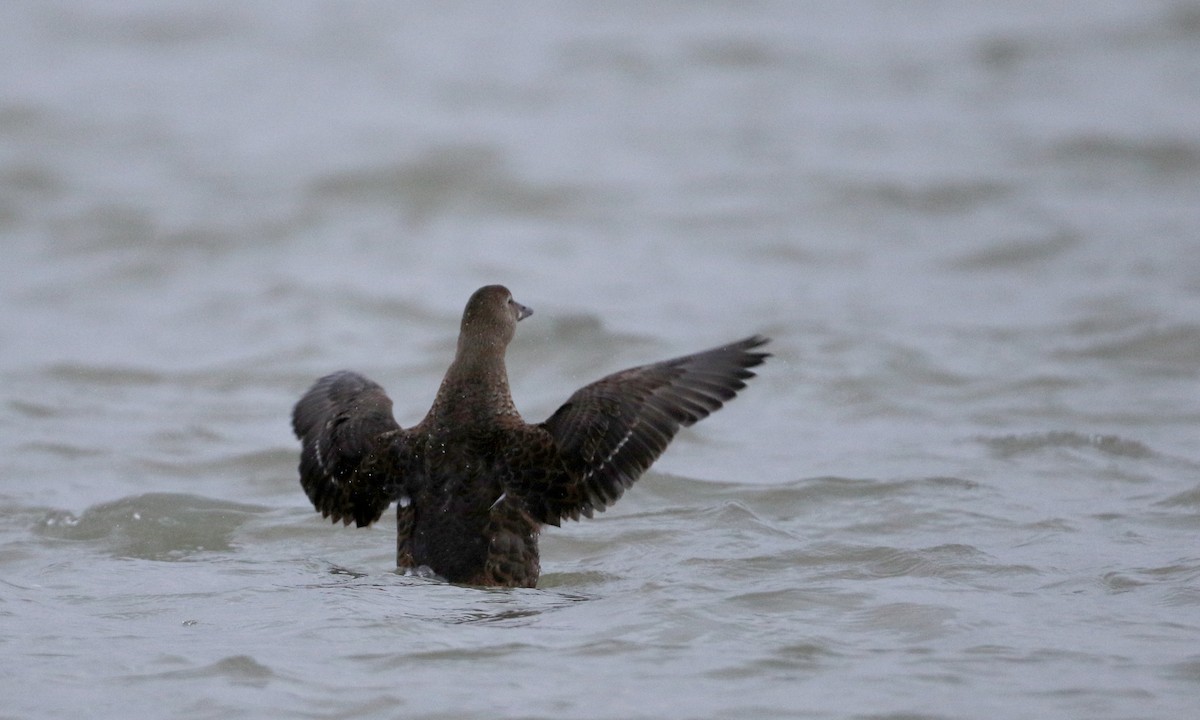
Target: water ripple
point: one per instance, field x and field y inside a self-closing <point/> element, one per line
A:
<point x="1008" y="446"/>
<point x="154" y="526"/>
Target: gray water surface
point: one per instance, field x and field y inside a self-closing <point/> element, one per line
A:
<point x="966" y="486"/>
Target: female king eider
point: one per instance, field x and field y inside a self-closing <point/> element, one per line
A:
<point x="473" y="482"/>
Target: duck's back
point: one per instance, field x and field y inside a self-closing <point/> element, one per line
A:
<point x="464" y="526"/>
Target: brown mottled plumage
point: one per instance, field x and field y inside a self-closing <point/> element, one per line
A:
<point x="473" y="482"/>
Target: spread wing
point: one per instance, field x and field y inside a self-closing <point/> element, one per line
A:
<point x="610" y="431"/>
<point x="353" y="449"/>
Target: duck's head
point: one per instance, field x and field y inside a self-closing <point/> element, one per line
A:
<point x="490" y="318"/>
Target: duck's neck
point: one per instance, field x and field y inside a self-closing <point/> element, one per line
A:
<point x="475" y="387"/>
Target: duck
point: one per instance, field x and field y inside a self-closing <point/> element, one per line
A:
<point x="473" y="483"/>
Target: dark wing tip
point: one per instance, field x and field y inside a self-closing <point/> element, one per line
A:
<point x="706" y="380"/>
<point x="742" y="350"/>
<point x="348" y="455"/>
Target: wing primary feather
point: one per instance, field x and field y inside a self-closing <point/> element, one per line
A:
<point x="350" y="460"/>
<point x="609" y="432"/>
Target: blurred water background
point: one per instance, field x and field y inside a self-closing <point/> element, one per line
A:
<point x="966" y="486"/>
